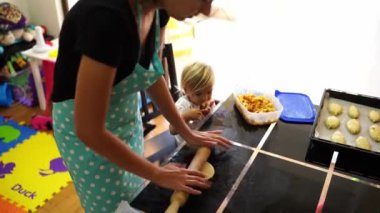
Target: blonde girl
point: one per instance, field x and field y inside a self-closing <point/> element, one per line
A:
<point x="197" y="82"/>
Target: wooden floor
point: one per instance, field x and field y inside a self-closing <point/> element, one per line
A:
<point x="67" y="200"/>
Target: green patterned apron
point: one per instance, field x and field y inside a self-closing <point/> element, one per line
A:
<point x="101" y="184"/>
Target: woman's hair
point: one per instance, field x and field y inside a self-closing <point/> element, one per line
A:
<point x="197" y="76"/>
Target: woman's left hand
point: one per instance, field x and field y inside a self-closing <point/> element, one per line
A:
<point x="208" y="139"/>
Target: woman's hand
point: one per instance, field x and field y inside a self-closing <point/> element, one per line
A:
<point x="207" y="138"/>
<point x="176" y="178"/>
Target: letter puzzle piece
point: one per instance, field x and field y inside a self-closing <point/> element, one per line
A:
<point x="11" y="134"/>
<point x="32" y="172"/>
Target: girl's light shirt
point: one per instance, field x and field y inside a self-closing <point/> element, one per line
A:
<point x="183" y="104"/>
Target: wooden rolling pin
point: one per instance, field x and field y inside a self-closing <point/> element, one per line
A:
<point x="179" y="198"/>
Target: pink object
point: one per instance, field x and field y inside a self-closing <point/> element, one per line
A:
<point x="48" y="67"/>
<point x="320" y="207"/>
<point x="49" y="43"/>
<point x="41" y="122"/>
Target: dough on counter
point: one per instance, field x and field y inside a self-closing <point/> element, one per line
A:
<point x="208" y="170"/>
<point x="338" y="137"/>
<point x="353" y="112"/>
<point x="353" y="126"/>
<point x="374" y="116"/>
<point x="363" y="143"/>
<point x="332" y="122"/>
<point x="374" y="132"/>
<point x="334" y="108"/>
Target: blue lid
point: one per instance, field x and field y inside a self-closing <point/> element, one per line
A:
<point x="298" y="107"/>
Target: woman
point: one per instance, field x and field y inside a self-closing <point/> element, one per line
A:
<point x="108" y="51"/>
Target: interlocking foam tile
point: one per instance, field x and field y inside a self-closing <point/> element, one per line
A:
<point x="32" y="172"/>
<point x="8" y="207"/>
<point x="11" y="134"/>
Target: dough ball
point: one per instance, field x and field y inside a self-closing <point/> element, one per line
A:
<point x="353" y="126"/>
<point x="332" y="122"/>
<point x="374" y="116"/>
<point x="208" y="170"/>
<point x="338" y="137"/>
<point x="353" y="112"/>
<point x="374" y="132"/>
<point x="335" y="109"/>
<point x="363" y="143"/>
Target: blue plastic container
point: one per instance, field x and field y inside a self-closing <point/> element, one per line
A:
<point x="6" y="98"/>
<point x="298" y="107"/>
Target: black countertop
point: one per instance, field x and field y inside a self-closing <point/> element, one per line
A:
<point x="278" y="180"/>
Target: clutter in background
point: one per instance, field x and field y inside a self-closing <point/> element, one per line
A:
<point x="17" y="35"/>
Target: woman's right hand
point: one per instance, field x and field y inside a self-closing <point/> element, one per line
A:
<point x="181" y="179"/>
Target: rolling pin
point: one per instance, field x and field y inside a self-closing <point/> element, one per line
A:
<point x="179" y="198"/>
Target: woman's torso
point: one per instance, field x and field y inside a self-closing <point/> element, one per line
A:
<point x="105" y="31"/>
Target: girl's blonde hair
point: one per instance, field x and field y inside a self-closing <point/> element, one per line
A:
<point x="197" y="76"/>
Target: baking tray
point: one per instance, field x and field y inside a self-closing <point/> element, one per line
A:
<point x="351" y="158"/>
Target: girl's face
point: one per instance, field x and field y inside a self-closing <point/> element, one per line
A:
<point x="181" y="9"/>
<point x="199" y="97"/>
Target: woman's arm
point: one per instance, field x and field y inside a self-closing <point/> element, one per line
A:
<point x="159" y="93"/>
<point x="93" y="92"/>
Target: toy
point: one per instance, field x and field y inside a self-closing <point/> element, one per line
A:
<point x="23" y="87"/>
<point x="40" y="46"/>
<point x="13" y="25"/>
<point x="40" y="122"/>
<point x="6" y="98"/>
<point x="18" y="62"/>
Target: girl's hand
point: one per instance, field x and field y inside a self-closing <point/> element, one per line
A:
<point x="192" y="114"/>
<point x="208" y="107"/>
<point x="208" y="139"/>
<point x="206" y="111"/>
<point x="176" y="178"/>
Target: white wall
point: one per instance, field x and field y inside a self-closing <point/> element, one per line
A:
<point x="295" y="46"/>
<point x="48" y="13"/>
<point x="71" y="3"/>
<point x="291" y="45"/>
<point x="42" y="12"/>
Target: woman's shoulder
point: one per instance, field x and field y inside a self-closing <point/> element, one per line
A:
<point x="116" y="4"/>
<point x="164" y="17"/>
<point x="103" y="18"/>
<point x="91" y="8"/>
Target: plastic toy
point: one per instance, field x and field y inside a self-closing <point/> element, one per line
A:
<point x="40" y="46"/>
<point x="19" y="62"/>
<point x="13" y="25"/>
<point x="6" y="98"/>
<point x="41" y="122"/>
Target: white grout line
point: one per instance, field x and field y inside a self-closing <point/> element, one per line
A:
<point x="311" y="166"/>
<point x="293" y="161"/>
<point x="326" y="185"/>
<point x="242" y="145"/>
<point x="234" y="187"/>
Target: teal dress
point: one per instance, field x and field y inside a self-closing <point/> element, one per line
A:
<point x="101" y="184"/>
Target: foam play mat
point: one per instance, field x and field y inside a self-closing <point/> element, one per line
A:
<point x="32" y="172"/>
<point x="11" y="134"/>
<point x="8" y="207"/>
